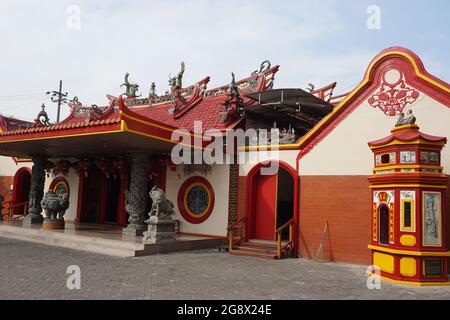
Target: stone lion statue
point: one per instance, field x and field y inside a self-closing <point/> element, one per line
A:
<point x="162" y="207"/>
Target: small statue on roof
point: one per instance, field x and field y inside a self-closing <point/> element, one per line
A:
<point x="95" y="112"/>
<point x="42" y="118"/>
<point x="234" y="89"/>
<point x="152" y="91"/>
<point x="403" y="119"/>
<point x="177" y="82"/>
<point x="310" y="87"/>
<point x="76" y="101"/>
<point x="131" y="88"/>
<point x="265" y="65"/>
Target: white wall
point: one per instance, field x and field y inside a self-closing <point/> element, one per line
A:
<point x="73" y="180"/>
<point x="255" y="157"/>
<point x="217" y="223"/>
<point x="8" y="167"/>
<point x="345" y="151"/>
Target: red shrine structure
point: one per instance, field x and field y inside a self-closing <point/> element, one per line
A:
<point x="328" y="198"/>
<point x="409" y="221"/>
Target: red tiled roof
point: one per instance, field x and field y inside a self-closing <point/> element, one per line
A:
<point x="204" y="106"/>
<point x="63" y="126"/>
<point x="206" y="111"/>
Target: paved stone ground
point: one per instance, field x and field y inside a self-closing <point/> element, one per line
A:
<point x="33" y="271"/>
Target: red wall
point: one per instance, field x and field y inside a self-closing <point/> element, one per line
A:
<point x="343" y="201"/>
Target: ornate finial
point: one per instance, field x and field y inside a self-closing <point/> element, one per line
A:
<point x="42" y="118"/>
<point x="234" y="89"/>
<point x="403" y="119"/>
<point x="76" y="101"/>
<point x="152" y="91"/>
<point x="265" y="65"/>
<point x="177" y="82"/>
<point x="131" y="88"/>
<point x="310" y="87"/>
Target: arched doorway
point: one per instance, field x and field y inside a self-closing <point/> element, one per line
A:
<point x="383" y="218"/>
<point x="272" y="200"/>
<point x="21" y="189"/>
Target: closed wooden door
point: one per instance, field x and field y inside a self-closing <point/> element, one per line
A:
<point x="265" y="212"/>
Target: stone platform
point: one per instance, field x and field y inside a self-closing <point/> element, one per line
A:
<point x="102" y="239"/>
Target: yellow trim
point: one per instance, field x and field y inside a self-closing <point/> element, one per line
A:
<point x="439" y="220"/>
<point x="399" y="185"/>
<point x="410" y="253"/>
<point x="406" y="166"/>
<point x="270" y="147"/>
<point x="196" y="184"/>
<point x="412" y="218"/>
<point x="126" y="129"/>
<point x="379" y="173"/>
<point x="65" y="136"/>
<point x="156" y="125"/>
<point x="366" y="79"/>
<point x="411" y="283"/>
<point x="201" y="235"/>
<point x="398" y="142"/>
<point x="404" y="127"/>
<point x="23" y="160"/>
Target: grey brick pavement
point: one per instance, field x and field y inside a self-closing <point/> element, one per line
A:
<point x="33" y="271"/>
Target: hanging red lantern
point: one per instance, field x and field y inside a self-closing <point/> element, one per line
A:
<point x="104" y="165"/>
<point x="49" y="167"/>
<point x="120" y="166"/>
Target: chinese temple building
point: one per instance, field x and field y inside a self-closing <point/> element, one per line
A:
<point x="319" y="203"/>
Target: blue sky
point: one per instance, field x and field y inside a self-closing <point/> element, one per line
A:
<point x="313" y="41"/>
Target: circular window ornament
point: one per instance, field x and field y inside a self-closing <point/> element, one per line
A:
<point x="60" y="186"/>
<point x="196" y="200"/>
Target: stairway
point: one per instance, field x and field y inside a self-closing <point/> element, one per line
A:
<point x="256" y="248"/>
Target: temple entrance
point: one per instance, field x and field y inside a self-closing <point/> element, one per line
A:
<point x="102" y="198"/>
<point x="90" y="206"/>
<point x="285" y="200"/>
<point x="272" y="204"/>
<point x="21" y="192"/>
<point x="112" y="199"/>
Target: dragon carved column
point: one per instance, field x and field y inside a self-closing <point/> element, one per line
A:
<point x="36" y="191"/>
<point x="136" y="196"/>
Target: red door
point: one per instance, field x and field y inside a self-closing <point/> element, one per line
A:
<point x="264" y="215"/>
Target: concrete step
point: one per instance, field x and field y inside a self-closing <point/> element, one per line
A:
<point x="262" y="250"/>
<point x="183" y="245"/>
<point x="73" y="241"/>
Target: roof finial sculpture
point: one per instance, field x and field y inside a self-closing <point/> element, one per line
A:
<point x="152" y="94"/>
<point x="152" y="91"/>
<point x="131" y="88"/>
<point x="42" y="118"/>
<point x="234" y="89"/>
<point x="177" y="82"/>
<point x="265" y="65"/>
<point x="310" y="88"/>
<point x="403" y="119"/>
